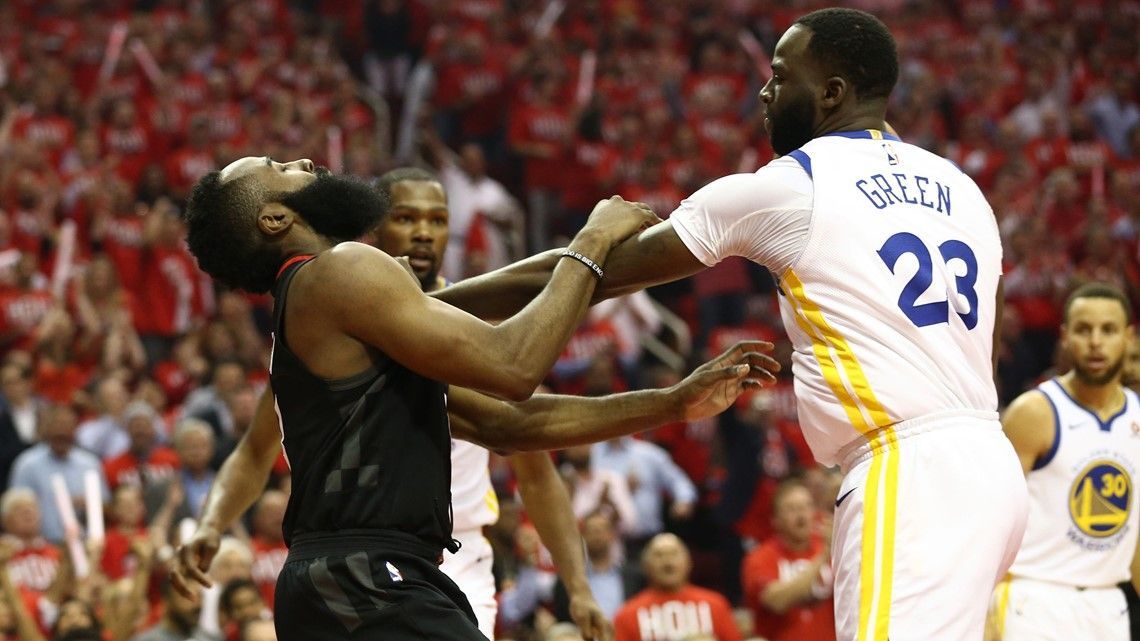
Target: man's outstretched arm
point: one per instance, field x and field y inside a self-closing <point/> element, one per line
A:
<point x="548" y="504"/>
<point x="656" y="255"/>
<point x="548" y="421"/>
<point x="239" y="483"/>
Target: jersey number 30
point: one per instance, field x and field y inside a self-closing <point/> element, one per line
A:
<point x="937" y="312"/>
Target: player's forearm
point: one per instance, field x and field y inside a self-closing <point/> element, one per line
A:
<point x="535" y="337"/>
<point x="502" y="293"/>
<point x="547" y="422"/>
<point x="239" y="483"/>
<point x="548" y="504"/>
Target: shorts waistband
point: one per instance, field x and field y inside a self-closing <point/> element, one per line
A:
<point x="867" y="445"/>
<point x="313" y="545"/>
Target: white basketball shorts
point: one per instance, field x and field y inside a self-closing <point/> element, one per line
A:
<point x="1028" y="610"/>
<point x="471" y="571"/>
<point x="929" y="517"/>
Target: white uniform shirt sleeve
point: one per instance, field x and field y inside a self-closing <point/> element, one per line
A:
<point x="764" y="217"/>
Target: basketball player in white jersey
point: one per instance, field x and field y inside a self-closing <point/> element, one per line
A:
<point x="416" y="226"/>
<point x="1078" y="438"/>
<point x="889" y="263"/>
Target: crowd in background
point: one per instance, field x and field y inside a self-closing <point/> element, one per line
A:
<point x="118" y="356"/>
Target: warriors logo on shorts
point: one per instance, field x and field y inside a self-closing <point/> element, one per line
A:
<point x="1099" y="499"/>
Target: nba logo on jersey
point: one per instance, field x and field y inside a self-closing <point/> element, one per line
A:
<point x="892" y="155"/>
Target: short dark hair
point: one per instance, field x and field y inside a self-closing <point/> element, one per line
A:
<point x="857" y="46"/>
<point x="1099" y="290"/>
<point x="384" y="183"/>
<point x="221" y="225"/>
<point x="225" y="600"/>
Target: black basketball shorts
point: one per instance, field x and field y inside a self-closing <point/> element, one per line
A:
<point x="338" y="587"/>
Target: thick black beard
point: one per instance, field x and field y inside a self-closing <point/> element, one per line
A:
<point x="792" y="126"/>
<point x="340" y="208"/>
<point x="1105" y="378"/>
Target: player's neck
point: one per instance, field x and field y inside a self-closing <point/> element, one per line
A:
<point x="1104" y="399"/>
<point x="858" y="118"/>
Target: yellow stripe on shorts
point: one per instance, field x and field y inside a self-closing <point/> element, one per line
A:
<point x="869" y="418"/>
<point x="1002" y="606"/>
<point x="876" y="571"/>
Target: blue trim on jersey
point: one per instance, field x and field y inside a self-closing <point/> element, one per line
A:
<point x="1105" y="426"/>
<point x="803" y="159"/>
<point x="1048" y="456"/>
<point x="864" y="134"/>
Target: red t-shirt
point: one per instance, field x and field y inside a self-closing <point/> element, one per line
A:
<point x="134" y="146"/>
<point x="773" y="561"/>
<point x="34" y="566"/>
<point x="117" y="560"/>
<point x="21" y="312"/>
<point x="550" y="127"/>
<point x="160" y="463"/>
<point x="187" y="165"/>
<point x="170" y="289"/>
<point x="268" y="559"/>
<point x="653" y="615"/>
<point x="50" y="132"/>
<point x="123" y="243"/>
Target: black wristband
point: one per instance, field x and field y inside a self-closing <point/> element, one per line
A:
<point x="570" y="253"/>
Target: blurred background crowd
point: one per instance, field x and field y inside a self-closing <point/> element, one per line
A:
<point x="118" y="356"/>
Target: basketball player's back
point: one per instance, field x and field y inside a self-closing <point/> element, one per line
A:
<point x="891" y="307"/>
<point x="895" y="286"/>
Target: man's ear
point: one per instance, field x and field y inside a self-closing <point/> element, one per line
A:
<point x="835" y="90"/>
<point x="275" y="219"/>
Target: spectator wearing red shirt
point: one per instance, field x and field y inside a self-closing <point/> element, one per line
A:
<point x="1049" y="149"/>
<point x="787" y="580"/>
<point x="24" y="304"/>
<point x="672" y="608"/>
<point x="268" y="543"/>
<point x="33" y="215"/>
<point x="127" y="139"/>
<point x="145" y="462"/>
<point x="34" y="565"/>
<point x="172" y="285"/>
<point x="43" y="124"/>
<point x="655" y="189"/>
<point x="473" y="87"/>
<point x="128" y="519"/>
<point x="187" y="164"/>
<point x="541" y="131"/>
<point x="64" y="362"/>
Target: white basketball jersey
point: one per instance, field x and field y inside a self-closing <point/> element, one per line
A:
<point x="1082" y="506"/>
<point x="473" y="500"/>
<point x="890" y="306"/>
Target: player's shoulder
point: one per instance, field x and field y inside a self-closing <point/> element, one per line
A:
<point x="1032" y="406"/>
<point x="349" y="260"/>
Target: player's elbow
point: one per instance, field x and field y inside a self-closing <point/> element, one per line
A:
<point x="518" y="381"/>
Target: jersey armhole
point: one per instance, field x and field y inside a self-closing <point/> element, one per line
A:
<point x="1047" y="457"/>
<point x="804" y="161"/>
